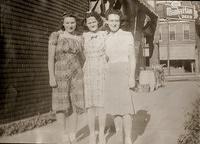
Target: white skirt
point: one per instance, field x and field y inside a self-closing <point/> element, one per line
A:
<point x="118" y="96"/>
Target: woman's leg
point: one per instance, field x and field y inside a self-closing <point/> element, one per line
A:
<point x="60" y="118"/>
<point x="102" y="120"/>
<point x="61" y="123"/>
<point x="77" y="102"/>
<point x="72" y="122"/>
<point x="91" y="122"/>
<point x="127" y="123"/>
<point x="118" y="123"/>
<point x="119" y="128"/>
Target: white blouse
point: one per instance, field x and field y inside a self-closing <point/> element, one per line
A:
<point x="119" y="46"/>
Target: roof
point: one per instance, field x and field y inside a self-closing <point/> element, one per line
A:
<point x="149" y="9"/>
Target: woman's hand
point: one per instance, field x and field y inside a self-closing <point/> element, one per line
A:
<point x="52" y="82"/>
<point x="131" y="82"/>
<point x="73" y="51"/>
<point x="107" y="58"/>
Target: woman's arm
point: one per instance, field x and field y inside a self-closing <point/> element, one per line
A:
<point x="51" y="56"/>
<point x="105" y="33"/>
<point x="80" y="51"/>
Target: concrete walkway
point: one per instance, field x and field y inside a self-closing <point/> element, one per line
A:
<point x="159" y="118"/>
<point x="167" y="108"/>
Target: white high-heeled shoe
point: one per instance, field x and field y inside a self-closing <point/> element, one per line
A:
<point x="65" y="139"/>
<point x="128" y="140"/>
<point x="92" y="138"/>
<point x="72" y="137"/>
<point x="102" y="138"/>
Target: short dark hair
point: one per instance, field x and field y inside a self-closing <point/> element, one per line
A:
<point x="114" y="11"/>
<point x="123" y="18"/>
<point x="96" y="16"/>
<point x="68" y="14"/>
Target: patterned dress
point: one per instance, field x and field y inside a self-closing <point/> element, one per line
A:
<point x="120" y="50"/>
<point x="94" y="68"/>
<point x="68" y="73"/>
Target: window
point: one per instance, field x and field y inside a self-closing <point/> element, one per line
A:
<point x="186" y="31"/>
<point x="160" y="33"/>
<point x="172" y="32"/>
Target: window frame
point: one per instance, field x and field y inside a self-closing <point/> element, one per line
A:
<point x="184" y="26"/>
<point x="170" y="27"/>
<point x="160" y="33"/>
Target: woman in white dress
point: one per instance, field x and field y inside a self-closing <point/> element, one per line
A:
<point x="121" y="74"/>
<point x="94" y="74"/>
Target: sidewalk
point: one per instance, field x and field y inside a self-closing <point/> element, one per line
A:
<point x="159" y="118"/>
<point x="167" y="107"/>
<point x="183" y="77"/>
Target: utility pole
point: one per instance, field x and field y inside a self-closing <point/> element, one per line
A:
<point x="168" y="47"/>
<point x="197" y="48"/>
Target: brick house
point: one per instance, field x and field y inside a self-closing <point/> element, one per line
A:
<point x="177" y="36"/>
<point x="25" y="28"/>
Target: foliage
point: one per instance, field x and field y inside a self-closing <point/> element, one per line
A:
<point x="26" y="124"/>
<point x="192" y="126"/>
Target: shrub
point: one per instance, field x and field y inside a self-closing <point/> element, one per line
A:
<point x="192" y="126"/>
<point x="26" y="124"/>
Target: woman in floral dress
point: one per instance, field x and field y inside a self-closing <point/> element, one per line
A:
<point x="66" y="75"/>
<point x="94" y="74"/>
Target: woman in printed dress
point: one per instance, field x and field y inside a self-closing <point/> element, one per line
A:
<point x="121" y="75"/>
<point x="66" y="75"/>
<point x="94" y="74"/>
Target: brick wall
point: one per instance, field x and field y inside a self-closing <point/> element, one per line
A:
<point x="179" y="32"/>
<point x="25" y="28"/>
<point x="180" y="48"/>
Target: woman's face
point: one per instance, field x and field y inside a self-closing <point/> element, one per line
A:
<point x="114" y="22"/>
<point x="92" y="23"/>
<point x="69" y="24"/>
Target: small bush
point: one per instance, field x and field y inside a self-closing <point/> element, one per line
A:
<point x="192" y="126"/>
<point x="26" y="124"/>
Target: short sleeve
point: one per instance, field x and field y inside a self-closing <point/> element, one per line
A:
<point x="104" y="34"/>
<point x="82" y="42"/>
<point x="83" y="35"/>
<point x="53" y="39"/>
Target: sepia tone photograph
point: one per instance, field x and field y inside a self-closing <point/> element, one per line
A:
<point x="100" y="72"/>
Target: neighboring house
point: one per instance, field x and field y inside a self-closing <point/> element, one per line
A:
<point x="177" y="35"/>
<point x="25" y="28"/>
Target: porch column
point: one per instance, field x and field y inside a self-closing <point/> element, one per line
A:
<point x="140" y="59"/>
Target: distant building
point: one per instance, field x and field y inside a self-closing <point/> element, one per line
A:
<point x="177" y="35"/>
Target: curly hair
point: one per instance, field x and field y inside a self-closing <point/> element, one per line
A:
<point x="123" y="18"/>
<point x="96" y="16"/>
<point x="114" y="11"/>
<point x="68" y="14"/>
